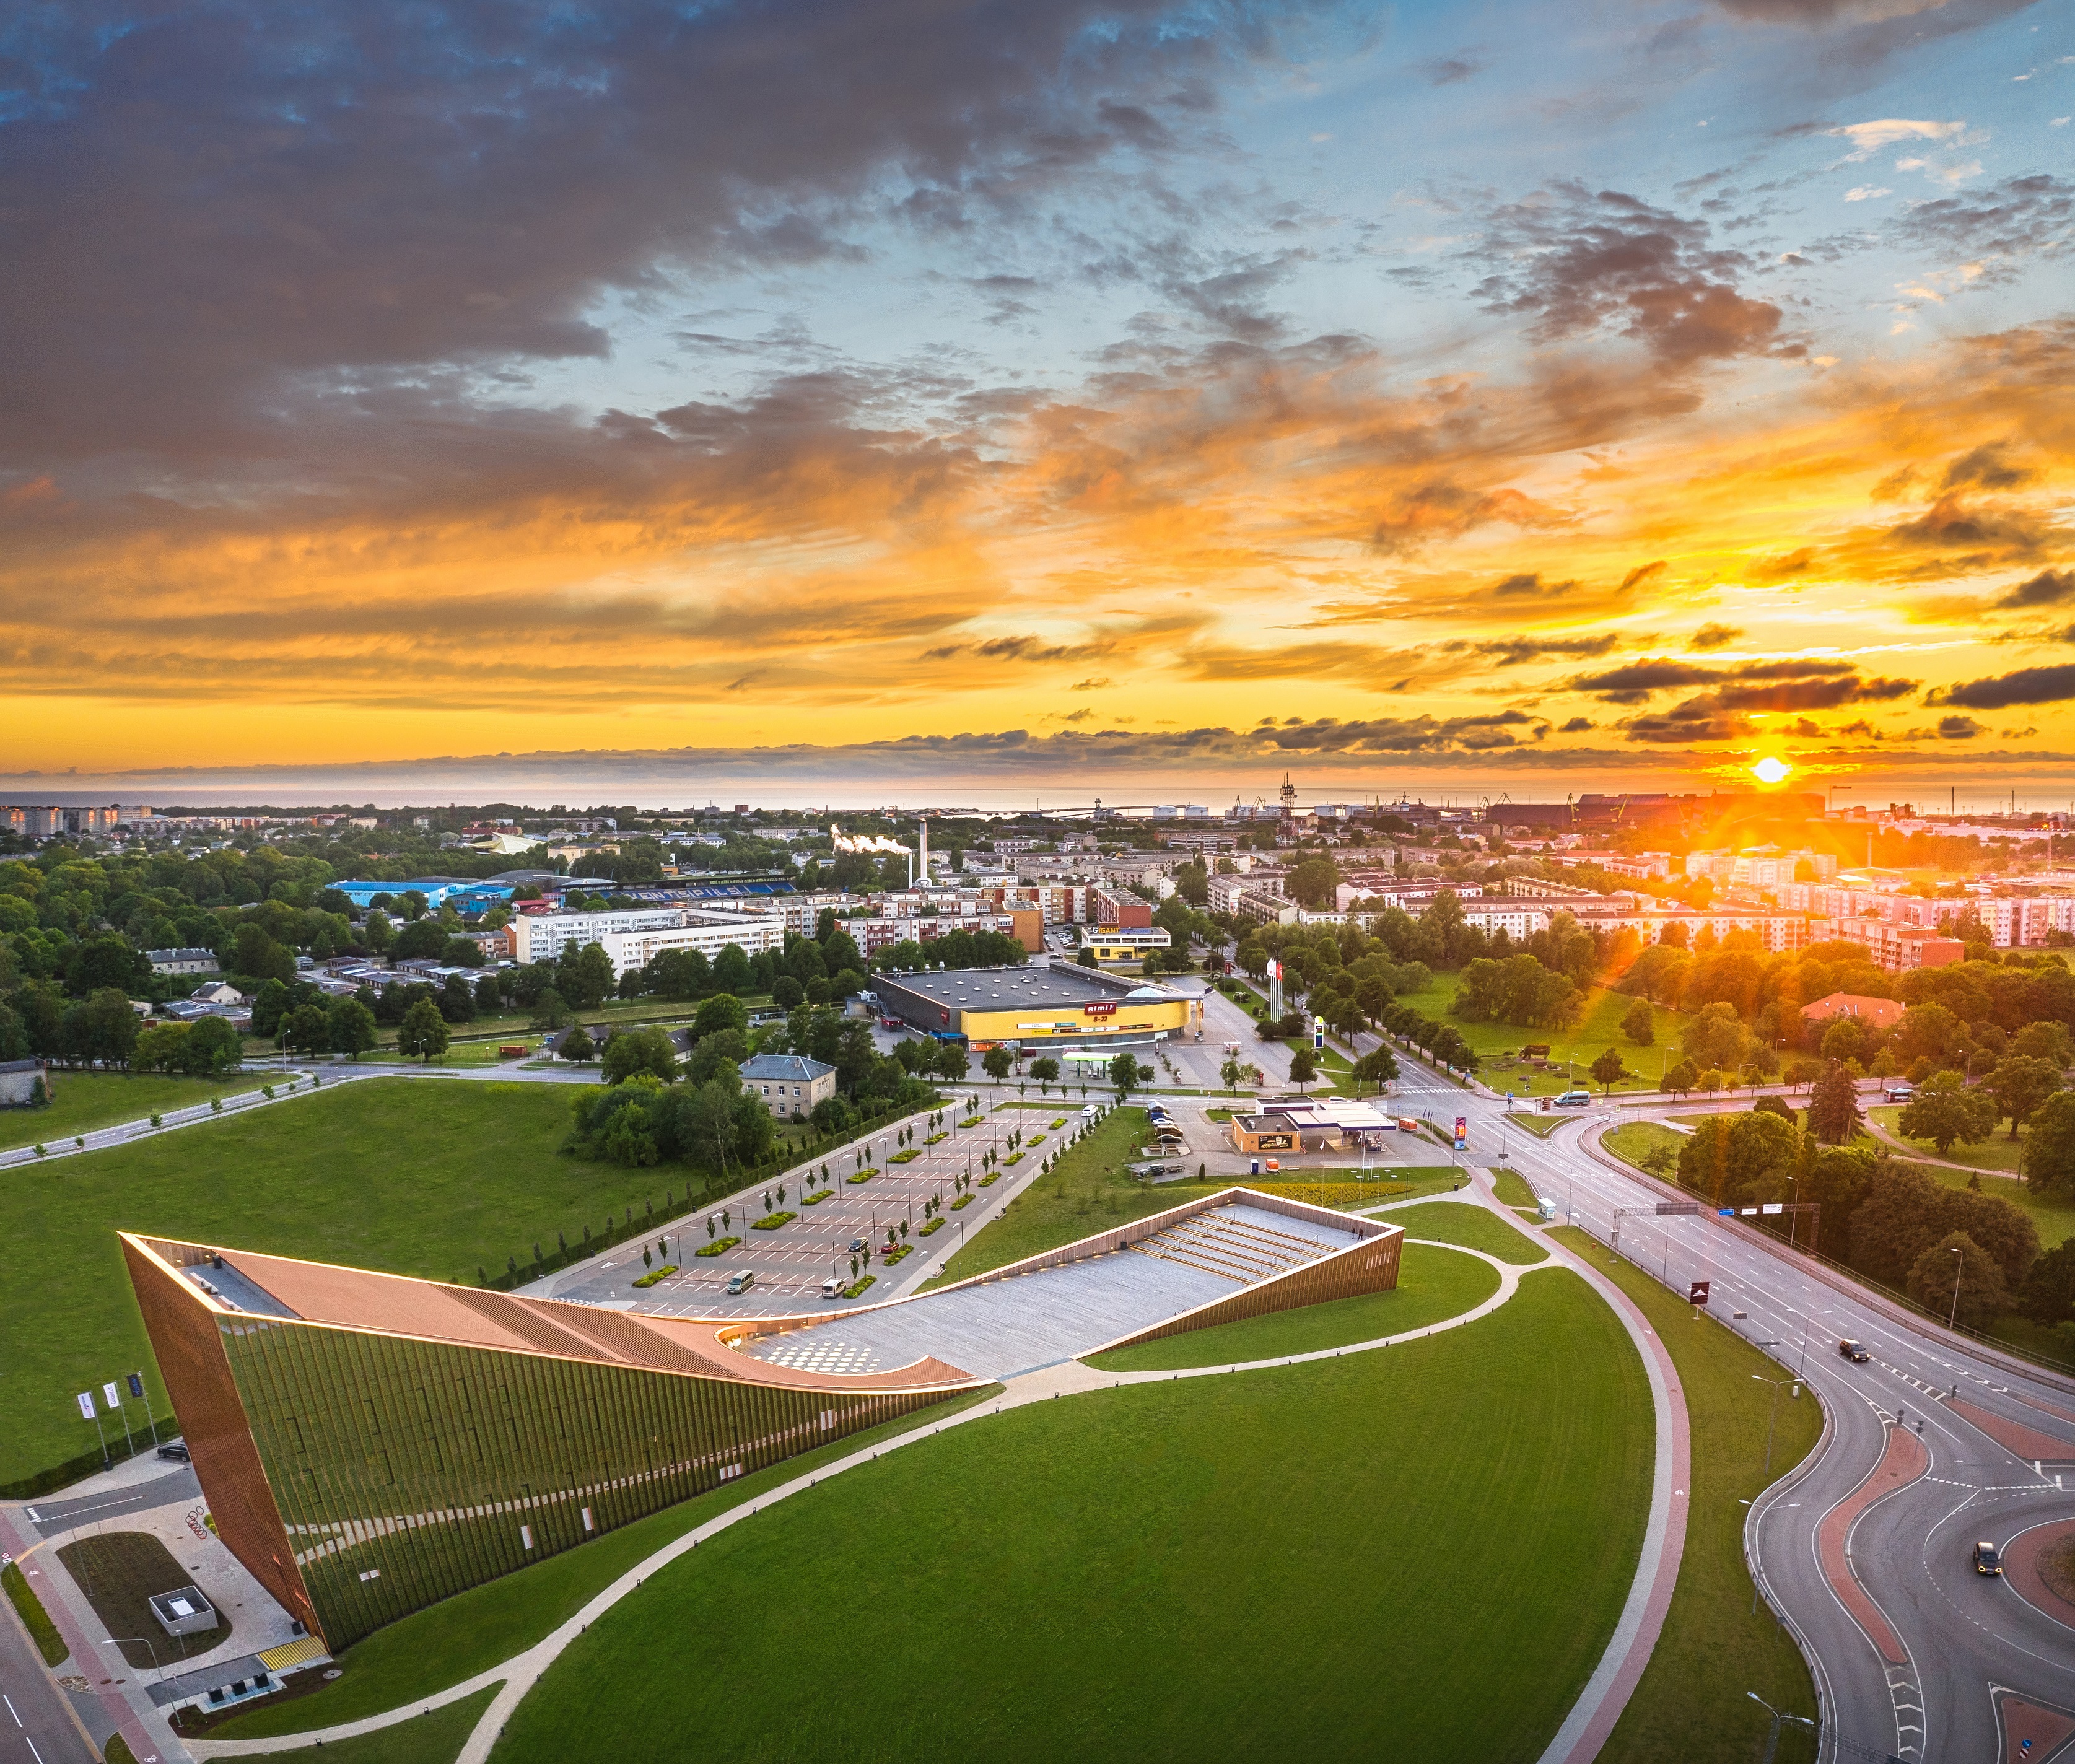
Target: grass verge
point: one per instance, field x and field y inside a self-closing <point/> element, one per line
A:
<point x="1511" y="1187"/>
<point x="433" y="1738"/>
<point x="1692" y="1703"/>
<point x="1633" y="1142"/>
<point x="1598" y="1028"/>
<point x="472" y="1631"/>
<point x="1264" y="1529"/>
<point x="84" y="1101"/>
<point x="1451" y="1222"/>
<point x="35" y="1618"/>
<point x="2054" y="1217"/>
<point x="399" y="1174"/>
<point x="119" y="1571"/>
<point x="1433" y="1284"/>
<point x="1998" y="1152"/>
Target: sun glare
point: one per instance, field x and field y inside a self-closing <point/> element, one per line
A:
<point x="1770" y="769"/>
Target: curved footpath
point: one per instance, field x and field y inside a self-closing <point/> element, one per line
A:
<point x="1582" y="1733"/>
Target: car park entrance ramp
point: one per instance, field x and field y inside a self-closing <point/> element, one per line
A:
<point x="1211" y="1260"/>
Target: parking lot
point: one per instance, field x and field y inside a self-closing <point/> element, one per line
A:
<point x="790" y="1264"/>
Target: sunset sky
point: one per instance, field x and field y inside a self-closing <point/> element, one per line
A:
<point x="1042" y="393"/>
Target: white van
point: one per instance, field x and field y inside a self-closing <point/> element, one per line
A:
<point x="1575" y="1099"/>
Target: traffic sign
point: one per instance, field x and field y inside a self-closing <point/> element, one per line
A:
<point x="1696" y="1292"/>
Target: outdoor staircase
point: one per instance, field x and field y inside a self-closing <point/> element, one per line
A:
<point x="1236" y="1249"/>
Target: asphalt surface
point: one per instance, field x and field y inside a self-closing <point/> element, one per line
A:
<point x="37" y="1722"/>
<point x="51" y="1517"/>
<point x="1902" y="1581"/>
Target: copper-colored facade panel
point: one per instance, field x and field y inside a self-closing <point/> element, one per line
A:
<point x="186" y="1336"/>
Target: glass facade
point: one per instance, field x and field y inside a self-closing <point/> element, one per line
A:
<point x="362" y="1475"/>
<point x="406" y="1470"/>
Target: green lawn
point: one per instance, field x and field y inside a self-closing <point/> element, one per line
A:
<point x="435" y="1739"/>
<point x="1453" y="1222"/>
<point x="1633" y="1141"/>
<point x="1597" y="1029"/>
<point x="406" y="1175"/>
<point x="1511" y="1187"/>
<point x="82" y="1101"/>
<point x="1432" y="1284"/>
<point x="1541" y="1126"/>
<point x="1691" y="1704"/>
<point x="2054" y="1217"/>
<point x="446" y="1643"/>
<point x="1997" y="1153"/>
<point x="1090" y="1189"/>
<point x="1235" y="1567"/>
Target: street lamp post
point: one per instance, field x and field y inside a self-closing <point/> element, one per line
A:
<point x="1959" y="1269"/>
<point x="116" y="1641"/>
<point x="1775" y="1383"/>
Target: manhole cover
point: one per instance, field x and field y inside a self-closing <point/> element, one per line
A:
<point x="333" y="1672"/>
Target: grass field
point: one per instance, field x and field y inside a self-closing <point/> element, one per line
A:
<point x="1541" y="1126"/>
<point x="470" y="1632"/>
<point x="1237" y="1568"/>
<point x="406" y="1175"/>
<point x="433" y="1738"/>
<point x="1432" y="1284"/>
<point x="81" y="1102"/>
<point x="1633" y="1141"/>
<point x="1453" y="1222"/>
<point x="2054" y="1217"/>
<point x="29" y="1607"/>
<point x="1997" y="1153"/>
<point x="1089" y="1190"/>
<point x="1691" y="1704"/>
<point x="1597" y="1029"/>
<point x="1511" y="1187"/>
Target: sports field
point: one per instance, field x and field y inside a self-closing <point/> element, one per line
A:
<point x="427" y="1177"/>
<point x="1417" y="1552"/>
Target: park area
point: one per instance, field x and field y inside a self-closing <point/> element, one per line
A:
<point x="85" y="1102"/>
<point x="430" y="1177"/>
<point x="1286" y="1563"/>
<point x="1572" y="1051"/>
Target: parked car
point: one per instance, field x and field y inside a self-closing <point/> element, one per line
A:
<point x="174" y="1451"/>
<point x="832" y="1288"/>
<point x="1574" y="1100"/>
<point x="1174" y="1169"/>
<point x="1853" y="1352"/>
<point x="1988" y="1558"/>
<point x="857" y="1246"/>
<point x="742" y="1282"/>
<point x="1899" y="1092"/>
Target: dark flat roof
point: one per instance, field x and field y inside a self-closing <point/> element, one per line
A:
<point x="1014" y="988"/>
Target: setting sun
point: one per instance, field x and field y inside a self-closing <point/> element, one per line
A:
<point x="1770" y="769"/>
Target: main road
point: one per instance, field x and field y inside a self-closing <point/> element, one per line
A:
<point x="1933" y="1443"/>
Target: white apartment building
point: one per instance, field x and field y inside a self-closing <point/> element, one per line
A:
<point x="542" y="937"/>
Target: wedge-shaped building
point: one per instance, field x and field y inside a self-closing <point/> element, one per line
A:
<point x="369" y="1445"/>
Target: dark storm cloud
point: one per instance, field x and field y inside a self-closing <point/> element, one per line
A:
<point x="226" y="230"/>
<point x="1985" y="467"/>
<point x="1951" y="522"/>
<point x="1573" y="262"/>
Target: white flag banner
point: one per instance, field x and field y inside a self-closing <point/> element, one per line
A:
<point x="111" y="1396"/>
<point x="86" y="1404"/>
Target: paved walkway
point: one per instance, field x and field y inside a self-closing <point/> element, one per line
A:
<point x="1584" y="1731"/>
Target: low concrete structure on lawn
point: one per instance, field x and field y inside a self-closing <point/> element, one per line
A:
<point x="19" y="1082"/>
<point x="183" y="1611"/>
<point x="790" y="1084"/>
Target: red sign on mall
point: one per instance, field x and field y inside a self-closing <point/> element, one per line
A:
<point x="1106" y="1008"/>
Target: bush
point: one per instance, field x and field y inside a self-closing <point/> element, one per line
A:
<point x="893" y="1256"/>
<point x="663" y="1273"/>
<point x="862" y="1176"/>
<point x="719" y="1246"/>
<point x="773" y="1221"/>
<point x="816" y="1199"/>
<point x="967" y="1200"/>
<point x="934" y="1225"/>
<point x="907" y="1157"/>
<point x="987" y="1181"/>
<point x="858" y="1290"/>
